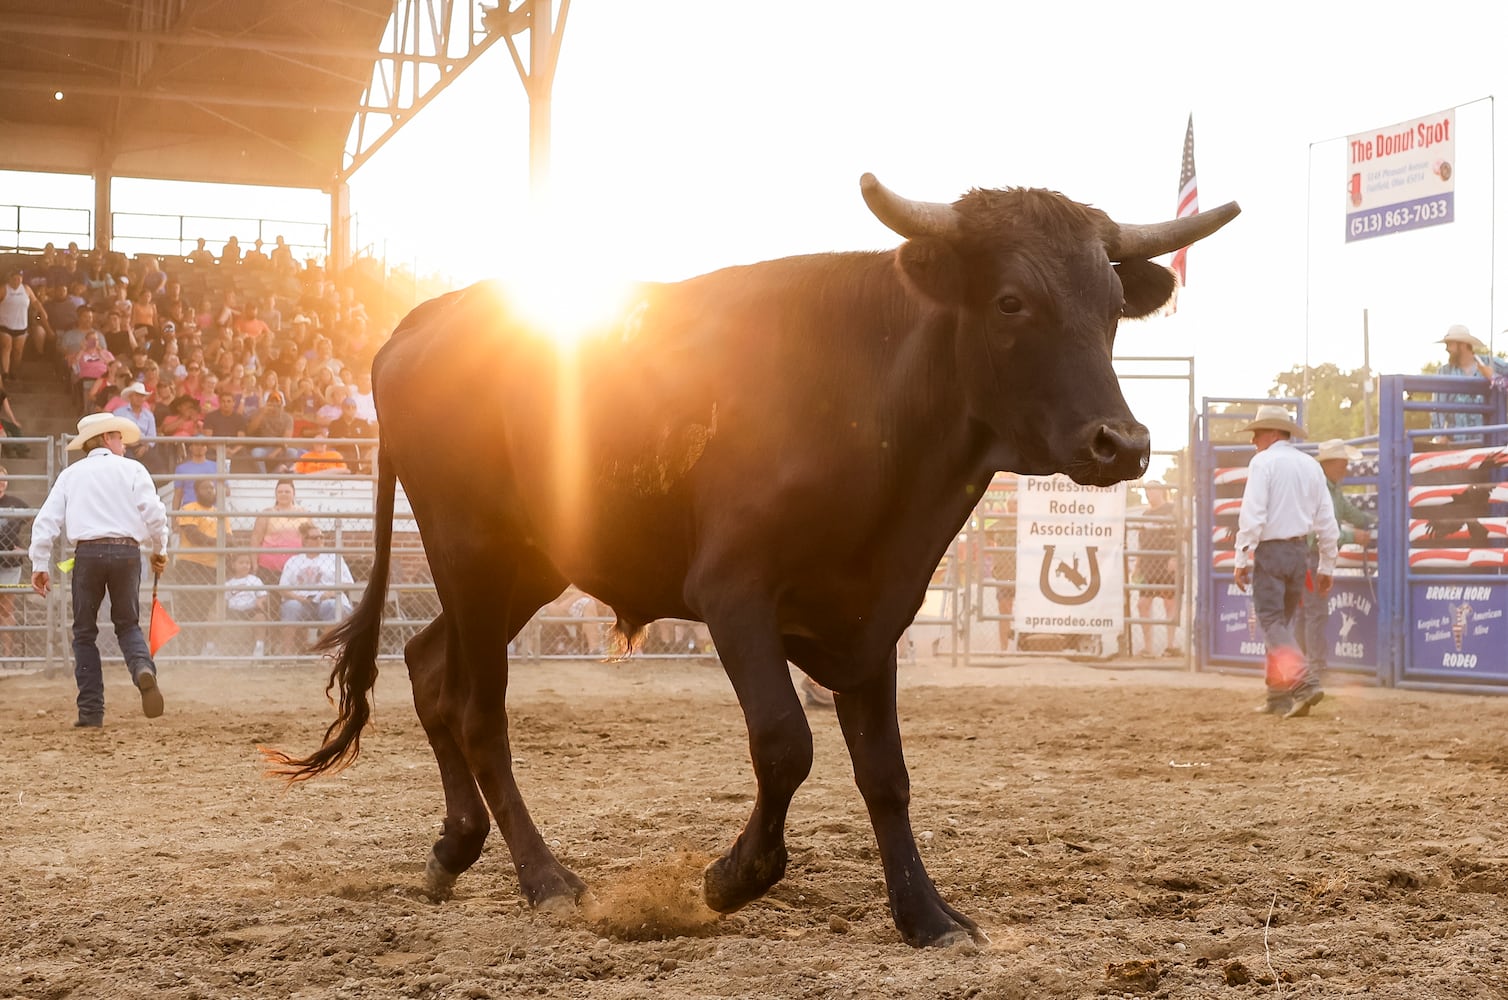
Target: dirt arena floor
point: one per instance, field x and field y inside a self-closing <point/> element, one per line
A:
<point x="1117" y="833"/>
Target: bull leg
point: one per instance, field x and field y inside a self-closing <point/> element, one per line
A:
<point x="477" y="716"/>
<point x="868" y="717"/>
<point x="466" y="824"/>
<point x="780" y="746"/>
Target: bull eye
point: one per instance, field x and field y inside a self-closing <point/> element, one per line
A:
<point x="1008" y="305"/>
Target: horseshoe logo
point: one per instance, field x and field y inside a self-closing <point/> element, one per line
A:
<point x="1072" y="573"/>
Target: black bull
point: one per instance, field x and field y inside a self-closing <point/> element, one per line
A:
<point x="783" y="451"/>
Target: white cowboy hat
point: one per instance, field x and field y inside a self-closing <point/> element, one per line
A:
<point x="95" y="424"/>
<point x="1459" y="334"/>
<point x="136" y="388"/>
<point x="1336" y="449"/>
<point x="1274" y="418"/>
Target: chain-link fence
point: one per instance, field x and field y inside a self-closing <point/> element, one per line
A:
<point x="274" y="559"/>
<point x="229" y="586"/>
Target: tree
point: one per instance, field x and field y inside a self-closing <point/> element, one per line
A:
<point x="1334" y="400"/>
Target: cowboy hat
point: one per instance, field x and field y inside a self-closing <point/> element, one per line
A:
<point x="1273" y="418"/>
<point x="137" y="388"/>
<point x="1336" y="449"/>
<point x="95" y="424"/>
<point x="1458" y="334"/>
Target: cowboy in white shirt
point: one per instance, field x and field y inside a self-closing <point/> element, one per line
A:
<point x="1285" y="501"/>
<point x="111" y="510"/>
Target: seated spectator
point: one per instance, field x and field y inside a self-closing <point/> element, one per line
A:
<point x="209" y="391"/>
<point x="91" y="363"/>
<point x="200" y="256"/>
<point x="323" y="356"/>
<point x="245" y="600"/>
<point x="153" y="278"/>
<point x="561" y="639"/>
<point x="162" y="399"/>
<point x="271" y="314"/>
<point x="235" y="382"/>
<point x="144" y="319"/>
<point x="304" y="406"/>
<point x="98" y="283"/>
<point x="272" y="422"/>
<point x="321" y="457"/>
<point x="139" y="413"/>
<point x="250" y="324"/>
<point x="350" y="425"/>
<point x="329" y="412"/>
<point x="189" y="473"/>
<point x="227" y="421"/>
<point x="62" y="311"/>
<point x="184" y="418"/>
<point x="282" y="258"/>
<point x="106" y="390"/>
<point x="311" y="581"/>
<point x="366" y="404"/>
<point x="118" y="338"/>
<point x="255" y="259"/>
<point x="196" y="530"/>
<point x="324" y="381"/>
<point x="71" y="341"/>
<point x="231" y="252"/>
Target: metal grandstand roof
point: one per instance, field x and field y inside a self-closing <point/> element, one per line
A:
<point x="239" y="91"/>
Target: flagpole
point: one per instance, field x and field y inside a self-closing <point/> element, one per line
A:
<point x="1308" y="264"/>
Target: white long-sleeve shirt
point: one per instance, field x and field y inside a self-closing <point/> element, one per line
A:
<point x="1286" y="498"/>
<point x="103" y="495"/>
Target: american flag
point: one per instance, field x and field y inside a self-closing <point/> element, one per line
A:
<point x="1188" y="199"/>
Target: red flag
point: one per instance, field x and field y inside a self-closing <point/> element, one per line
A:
<point x="1188" y="199"/>
<point x="162" y="627"/>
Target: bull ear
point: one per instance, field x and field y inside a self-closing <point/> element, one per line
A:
<point x="933" y="269"/>
<point x="1147" y="286"/>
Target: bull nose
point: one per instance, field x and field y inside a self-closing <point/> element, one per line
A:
<point x="1121" y="451"/>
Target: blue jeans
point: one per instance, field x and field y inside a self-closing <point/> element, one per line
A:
<point x="1314" y="617"/>
<point x="98" y="569"/>
<point x="298" y="611"/>
<point x="1277" y="591"/>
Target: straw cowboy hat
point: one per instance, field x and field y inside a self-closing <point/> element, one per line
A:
<point x="1337" y="449"/>
<point x="1274" y="418"/>
<point x="96" y="424"/>
<point x="1458" y="334"/>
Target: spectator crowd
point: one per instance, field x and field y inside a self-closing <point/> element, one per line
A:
<point x="244" y="344"/>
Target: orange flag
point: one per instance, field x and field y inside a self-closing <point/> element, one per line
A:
<point x="162" y="627"/>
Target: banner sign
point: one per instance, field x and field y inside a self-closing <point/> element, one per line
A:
<point x="1236" y="630"/>
<point x="1351" y="631"/>
<point x="1070" y="556"/>
<point x="1459" y="629"/>
<point x="1401" y="177"/>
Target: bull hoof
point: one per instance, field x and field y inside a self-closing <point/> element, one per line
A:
<point x="555" y="890"/>
<point x="727" y="886"/>
<point x="439" y="882"/>
<point x="950" y="929"/>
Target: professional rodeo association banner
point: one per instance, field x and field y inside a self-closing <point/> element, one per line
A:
<point x="1070" y="556"/>
<point x="1401" y="177"/>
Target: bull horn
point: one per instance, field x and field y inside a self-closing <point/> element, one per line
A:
<point x="1143" y="242"/>
<point x="911" y="219"/>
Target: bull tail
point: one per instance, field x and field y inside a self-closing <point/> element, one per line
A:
<point x="354" y="642"/>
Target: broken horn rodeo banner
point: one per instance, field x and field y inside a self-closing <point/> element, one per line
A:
<point x="1401" y="177"/>
<point x="1070" y="566"/>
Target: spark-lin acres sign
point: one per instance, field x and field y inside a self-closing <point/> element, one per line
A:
<point x="1401" y="177"/>
<point x="1070" y="563"/>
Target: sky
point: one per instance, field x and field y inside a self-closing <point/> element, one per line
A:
<point x="690" y="135"/>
